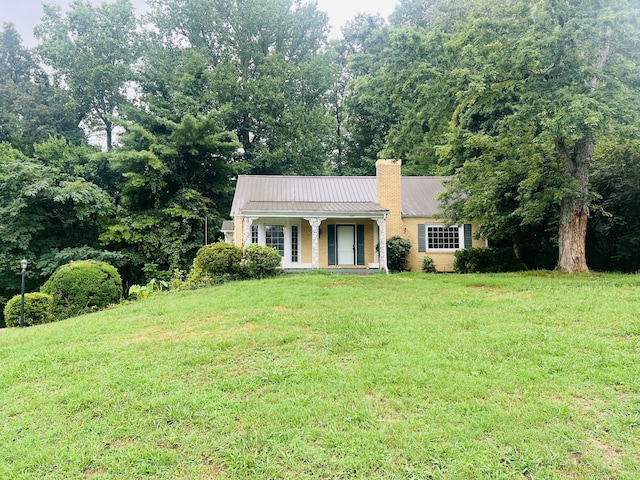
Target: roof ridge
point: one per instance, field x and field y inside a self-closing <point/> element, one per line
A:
<point x="360" y="177"/>
<point x="308" y="176"/>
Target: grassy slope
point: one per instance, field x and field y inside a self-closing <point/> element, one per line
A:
<point x="319" y="376"/>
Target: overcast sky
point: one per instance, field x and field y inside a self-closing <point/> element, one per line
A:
<point x="26" y="14"/>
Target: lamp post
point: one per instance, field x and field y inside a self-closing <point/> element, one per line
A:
<point x="23" y="266"/>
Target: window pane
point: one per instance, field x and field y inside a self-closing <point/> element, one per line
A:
<point x="254" y="234"/>
<point x="274" y="237"/>
<point x="294" y="243"/>
<point x="443" y="237"/>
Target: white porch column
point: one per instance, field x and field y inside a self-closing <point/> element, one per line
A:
<point x="382" y="228"/>
<point x="246" y="230"/>
<point x="315" y="236"/>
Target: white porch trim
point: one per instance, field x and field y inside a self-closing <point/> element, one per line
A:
<point x="246" y="230"/>
<point x="382" y="228"/>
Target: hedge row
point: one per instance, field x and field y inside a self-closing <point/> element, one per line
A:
<point x="221" y="262"/>
<point x="487" y="260"/>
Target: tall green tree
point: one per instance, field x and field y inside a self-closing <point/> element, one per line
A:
<point x="31" y="109"/>
<point x="173" y="176"/>
<point x="537" y="85"/>
<point x="92" y="50"/>
<point x="260" y="64"/>
<point x="369" y="110"/>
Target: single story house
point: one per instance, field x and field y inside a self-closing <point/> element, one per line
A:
<point x="337" y="222"/>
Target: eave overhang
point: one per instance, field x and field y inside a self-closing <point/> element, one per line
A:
<point x="314" y="209"/>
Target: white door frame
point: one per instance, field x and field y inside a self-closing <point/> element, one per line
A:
<point x="346" y="244"/>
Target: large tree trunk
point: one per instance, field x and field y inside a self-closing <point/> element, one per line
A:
<point x="108" y="128"/>
<point x="572" y="235"/>
<point x="574" y="210"/>
<point x="516" y="242"/>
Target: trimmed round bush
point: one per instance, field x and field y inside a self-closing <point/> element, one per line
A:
<point x="82" y="287"/>
<point x="397" y="254"/>
<point x="216" y="262"/>
<point x="37" y="309"/>
<point x="428" y="265"/>
<point x="261" y="261"/>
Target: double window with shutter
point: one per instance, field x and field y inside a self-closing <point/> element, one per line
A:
<point x="438" y="237"/>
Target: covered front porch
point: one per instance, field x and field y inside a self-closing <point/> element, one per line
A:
<point x="334" y="237"/>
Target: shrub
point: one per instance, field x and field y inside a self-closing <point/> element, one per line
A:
<point x="487" y="260"/>
<point x="428" y="265"/>
<point x="142" y="292"/>
<point x="216" y="263"/>
<point x="260" y="261"/>
<point x="397" y="253"/>
<point x="177" y="280"/>
<point x="81" y="287"/>
<point x="37" y="309"/>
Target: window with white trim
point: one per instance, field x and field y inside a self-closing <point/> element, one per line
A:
<point x="281" y="234"/>
<point x="274" y="237"/>
<point x="440" y="237"/>
<point x="295" y="243"/>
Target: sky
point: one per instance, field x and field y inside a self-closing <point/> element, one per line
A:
<point x="26" y="14"/>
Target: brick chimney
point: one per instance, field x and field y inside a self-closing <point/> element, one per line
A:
<point x="389" y="193"/>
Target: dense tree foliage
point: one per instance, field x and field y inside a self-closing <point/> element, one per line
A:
<point x="31" y="109"/>
<point x="260" y="64"/>
<point x="530" y="105"/>
<point x="172" y="177"/>
<point x="512" y="98"/>
<point x="92" y="50"/>
<point x="44" y="209"/>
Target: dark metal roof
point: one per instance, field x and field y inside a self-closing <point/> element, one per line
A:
<point x="273" y="193"/>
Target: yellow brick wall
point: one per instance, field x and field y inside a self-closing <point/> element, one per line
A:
<point x="443" y="260"/>
<point x="237" y="234"/>
<point x="323" y="244"/>
<point x="369" y="248"/>
<point x="305" y="240"/>
<point x="389" y="193"/>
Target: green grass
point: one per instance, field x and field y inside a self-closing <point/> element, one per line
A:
<point x="532" y="376"/>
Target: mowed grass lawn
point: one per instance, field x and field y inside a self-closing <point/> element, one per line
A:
<point x="411" y="376"/>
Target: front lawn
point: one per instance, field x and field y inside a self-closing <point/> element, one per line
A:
<point x="412" y="376"/>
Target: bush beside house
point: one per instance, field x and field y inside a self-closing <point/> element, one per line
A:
<point x="260" y="261"/>
<point x="222" y="262"/>
<point x="216" y="263"/>
<point x="428" y="265"/>
<point x="398" y="249"/>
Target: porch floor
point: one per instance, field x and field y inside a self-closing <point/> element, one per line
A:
<point x="337" y="271"/>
